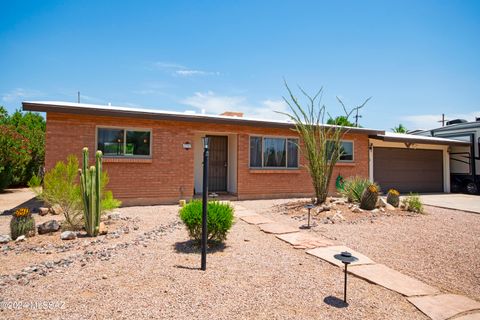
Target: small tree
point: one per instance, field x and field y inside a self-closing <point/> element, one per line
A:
<point x="400" y="129"/>
<point x="340" y="121"/>
<point x="321" y="144"/>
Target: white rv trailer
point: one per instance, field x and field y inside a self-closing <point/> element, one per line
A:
<point x="464" y="160"/>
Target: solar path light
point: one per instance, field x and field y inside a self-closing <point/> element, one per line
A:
<point x="309" y="207"/>
<point x="347" y="258"/>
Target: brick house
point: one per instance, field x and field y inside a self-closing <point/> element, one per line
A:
<point x="155" y="156"/>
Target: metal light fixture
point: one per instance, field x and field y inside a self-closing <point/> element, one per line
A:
<point x="205" y="141"/>
<point x="309" y="207"/>
<point x="347" y="258"/>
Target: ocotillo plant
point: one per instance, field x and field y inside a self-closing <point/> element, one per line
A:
<point x="90" y="187"/>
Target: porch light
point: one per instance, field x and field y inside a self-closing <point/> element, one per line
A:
<point x="205" y="141"/>
<point x="347" y="258"/>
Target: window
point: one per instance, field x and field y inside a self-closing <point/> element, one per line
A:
<point x="268" y="152"/>
<point x="123" y="142"/>
<point x="346" y="150"/>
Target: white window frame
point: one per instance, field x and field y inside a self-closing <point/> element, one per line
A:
<point x="125" y="129"/>
<point x="262" y="153"/>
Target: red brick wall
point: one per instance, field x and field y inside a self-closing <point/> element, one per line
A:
<point x="169" y="175"/>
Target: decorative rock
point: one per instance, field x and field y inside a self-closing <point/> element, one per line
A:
<point x="102" y="229"/>
<point x="375" y="211"/>
<point x="357" y="210"/>
<point x="49" y="226"/>
<point x="325" y="208"/>
<point x="20" y="238"/>
<point x="4" y="238"/>
<point x="56" y="209"/>
<point x="68" y="235"/>
<point x="43" y="211"/>
<point x="389" y="207"/>
<point x="114" y="216"/>
<point x="381" y="202"/>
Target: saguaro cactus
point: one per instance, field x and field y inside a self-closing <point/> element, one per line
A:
<point x="90" y="187"/>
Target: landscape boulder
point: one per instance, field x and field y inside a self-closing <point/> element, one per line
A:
<point x="381" y="203"/>
<point x="49" y="226"/>
<point x="68" y="235"/>
<point x="20" y="238"/>
<point x="389" y="207"/>
<point x="43" y="211"/>
<point x="4" y="238"/>
<point x="56" y="209"/>
<point x="102" y="229"/>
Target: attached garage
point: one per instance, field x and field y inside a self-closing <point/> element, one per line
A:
<point x="408" y="170"/>
<point x="410" y="163"/>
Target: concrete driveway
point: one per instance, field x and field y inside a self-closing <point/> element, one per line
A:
<point x="458" y="201"/>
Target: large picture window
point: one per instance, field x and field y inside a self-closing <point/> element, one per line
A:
<point x="346" y="150"/>
<point x="124" y="142"/>
<point x="269" y="152"/>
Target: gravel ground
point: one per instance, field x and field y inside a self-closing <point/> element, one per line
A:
<point x="441" y="247"/>
<point x="155" y="275"/>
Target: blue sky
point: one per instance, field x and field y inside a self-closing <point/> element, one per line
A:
<point x="416" y="59"/>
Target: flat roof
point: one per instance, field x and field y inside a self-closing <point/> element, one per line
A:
<point x="403" y="137"/>
<point x="155" y="114"/>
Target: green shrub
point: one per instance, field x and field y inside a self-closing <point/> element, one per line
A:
<point x="61" y="187"/>
<point x="22" y="146"/>
<point x="22" y="224"/>
<point x="5" y="177"/>
<point x="353" y="188"/>
<point x="413" y="203"/>
<point x="109" y="202"/>
<point x="219" y="222"/>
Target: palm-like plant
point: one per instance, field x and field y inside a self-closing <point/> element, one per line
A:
<point x="400" y="129"/>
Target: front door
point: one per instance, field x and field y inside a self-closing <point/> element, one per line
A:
<point x="217" y="163"/>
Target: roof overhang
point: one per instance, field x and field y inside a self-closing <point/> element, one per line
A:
<point x="110" y="111"/>
<point x="413" y="139"/>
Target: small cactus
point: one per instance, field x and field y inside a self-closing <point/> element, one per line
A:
<point x="393" y="197"/>
<point x="90" y="186"/>
<point x="369" y="197"/>
<point x="22" y="224"/>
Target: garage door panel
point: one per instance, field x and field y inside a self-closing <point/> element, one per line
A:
<point x="408" y="170"/>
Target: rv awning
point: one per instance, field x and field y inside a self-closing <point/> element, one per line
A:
<point x="410" y="138"/>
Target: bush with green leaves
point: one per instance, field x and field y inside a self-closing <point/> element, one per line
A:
<point x="219" y="221"/>
<point x="61" y="187"/>
<point x="22" y="147"/>
<point x="354" y="186"/>
<point x="413" y="203"/>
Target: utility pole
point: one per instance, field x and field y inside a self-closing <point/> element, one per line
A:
<point x="78" y="96"/>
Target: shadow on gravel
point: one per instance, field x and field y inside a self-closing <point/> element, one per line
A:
<point x="335" y="302"/>
<point x="32" y="204"/>
<point x="187" y="268"/>
<point x="192" y="246"/>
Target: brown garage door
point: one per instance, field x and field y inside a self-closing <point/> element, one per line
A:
<point x="408" y="170"/>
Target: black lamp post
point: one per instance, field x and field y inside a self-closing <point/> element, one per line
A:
<point x="347" y="258"/>
<point x="205" y="140"/>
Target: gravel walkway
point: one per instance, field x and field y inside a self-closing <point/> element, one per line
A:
<point x="256" y="276"/>
<point x="441" y="247"/>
